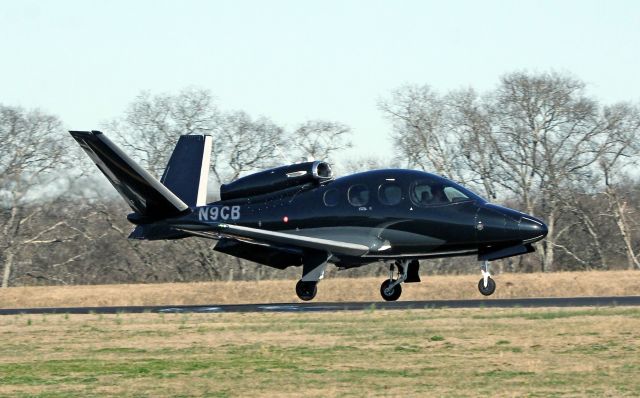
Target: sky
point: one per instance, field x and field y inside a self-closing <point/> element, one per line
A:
<point x="292" y="61"/>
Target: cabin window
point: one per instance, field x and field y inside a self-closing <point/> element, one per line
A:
<point x="390" y="194"/>
<point x="435" y="193"/>
<point x="359" y="195"/>
<point x="331" y="197"/>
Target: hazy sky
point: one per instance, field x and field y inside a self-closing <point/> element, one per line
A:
<point x="298" y="60"/>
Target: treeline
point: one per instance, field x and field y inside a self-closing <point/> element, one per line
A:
<point x="536" y="142"/>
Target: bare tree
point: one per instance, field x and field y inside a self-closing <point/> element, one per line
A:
<point x="320" y="139"/>
<point x="546" y="135"/>
<point x="152" y="124"/>
<point x="622" y="123"/>
<point x="470" y="126"/>
<point x="244" y="144"/>
<point x="33" y="158"/>
<point x="420" y="132"/>
<point x="536" y="138"/>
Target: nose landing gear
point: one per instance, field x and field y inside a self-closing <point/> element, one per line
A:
<point x="486" y="285"/>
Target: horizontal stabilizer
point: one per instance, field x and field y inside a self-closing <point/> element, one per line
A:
<point x="146" y="195"/>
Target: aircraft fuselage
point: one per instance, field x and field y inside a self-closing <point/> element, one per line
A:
<point x="396" y="213"/>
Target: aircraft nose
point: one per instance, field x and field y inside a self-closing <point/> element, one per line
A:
<point x="532" y="229"/>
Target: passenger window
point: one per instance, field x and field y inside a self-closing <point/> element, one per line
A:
<point x="359" y="195"/>
<point x="390" y="194"/>
<point x="428" y="193"/>
<point x="331" y="197"/>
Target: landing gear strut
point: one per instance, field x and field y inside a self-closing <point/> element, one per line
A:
<point x="486" y="285"/>
<point x="391" y="289"/>
<point x="313" y="266"/>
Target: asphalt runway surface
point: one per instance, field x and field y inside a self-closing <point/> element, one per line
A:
<point x="344" y="306"/>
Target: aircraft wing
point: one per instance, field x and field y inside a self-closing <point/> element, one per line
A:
<point x="281" y="238"/>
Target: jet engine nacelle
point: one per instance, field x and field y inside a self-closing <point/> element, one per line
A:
<point x="276" y="179"/>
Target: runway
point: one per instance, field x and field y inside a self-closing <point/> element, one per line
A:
<point x="341" y="306"/>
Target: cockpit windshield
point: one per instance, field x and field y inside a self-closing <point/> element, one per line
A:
<point x="438" y="192"/>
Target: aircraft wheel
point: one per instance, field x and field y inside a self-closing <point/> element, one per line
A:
<point x="491" y="287"/>
<point x="390" y="294"/>
<point x="306" y="290"/>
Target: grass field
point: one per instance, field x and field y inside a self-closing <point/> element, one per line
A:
<point x="566" y="284"/>
<point x="421" y="352"/>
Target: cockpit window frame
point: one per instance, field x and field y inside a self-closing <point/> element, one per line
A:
<point x="464" y="197"/>
<point x="431" y="182"/>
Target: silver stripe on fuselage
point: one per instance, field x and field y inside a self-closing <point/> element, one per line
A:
<point x="430" y="254"/>
<point x="532" y="240"/>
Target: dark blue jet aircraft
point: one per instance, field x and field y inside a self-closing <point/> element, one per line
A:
<point x="299" y="215"/>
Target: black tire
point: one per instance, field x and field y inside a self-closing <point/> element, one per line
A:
<point x="306" y="290"/>
<point x="487" y="291"/>
<point x="392" y="295"/>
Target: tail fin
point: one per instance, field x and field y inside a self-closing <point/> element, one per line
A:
<point x="146" y="195"/>
<point x="188" y="169"/>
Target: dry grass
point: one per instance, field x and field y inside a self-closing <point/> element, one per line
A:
<point x="433" y="352"/>
<point x="614" y="283"/>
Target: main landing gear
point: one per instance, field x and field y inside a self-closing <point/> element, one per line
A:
<point x="391" y="289"/>
<point x="486" y="285"/>
<point x="306" y="290"/>
<point x="313" y="266"/>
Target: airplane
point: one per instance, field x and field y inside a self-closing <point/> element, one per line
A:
<point x="300" y="215"/>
